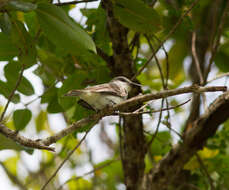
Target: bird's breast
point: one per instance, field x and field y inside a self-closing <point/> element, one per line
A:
<point x="100" y="101"/>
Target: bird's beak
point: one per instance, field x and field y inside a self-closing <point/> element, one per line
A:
<point x="70" y="93"/>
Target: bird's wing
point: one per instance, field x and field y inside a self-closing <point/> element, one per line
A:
<point x="109" y="88"/>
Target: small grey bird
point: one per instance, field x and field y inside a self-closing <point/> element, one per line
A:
<point x="103" y="95"/>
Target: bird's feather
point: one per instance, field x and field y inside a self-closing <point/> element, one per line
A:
<point x="109" y="89"/>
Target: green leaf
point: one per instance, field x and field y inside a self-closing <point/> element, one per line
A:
<point x="12" y="72"/>
<point x="21" y="118"/>
<point x="6" y="89"/>
<point x="5" y="23"/>
<point x="62" y="30"/>
<point x="46" y="77"/>
<point x="7" y="48"/>
<point x="32" y="23"/>
<point x="161" y="143"/>
<point x="22" y="5"/>
<point x="221" y="56"/>
<point x="96" y="23"/>
<point x="54" y="106"/>
<point x="137" y="16"/>
<point x="176" y="55"/>
<point x="24" y="42"/>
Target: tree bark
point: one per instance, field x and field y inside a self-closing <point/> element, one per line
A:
<point x="134" y="145"/>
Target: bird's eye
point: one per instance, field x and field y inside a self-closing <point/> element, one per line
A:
<point x="123" y="80"/>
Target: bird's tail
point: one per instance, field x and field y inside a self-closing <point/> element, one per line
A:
<point x="74" y="93"/>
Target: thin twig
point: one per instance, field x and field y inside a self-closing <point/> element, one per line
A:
<point x="120" y="134"/>
<point x="157" y="62"/>
<point x="13" y="91"/>
<point x="74" y="2"/>
<point x="205" y="171"/>
<point x="62" y="163"/>
<point x="153" y="111"/>
<point x="88" y="173"/>
<point x="196" y="60"/>
<point x="167" y="61"/>
<point x="197" y="64"/>
<point x="166" y="38"/>
<point x="158" y="124"/>
<point x="218" y="77"/>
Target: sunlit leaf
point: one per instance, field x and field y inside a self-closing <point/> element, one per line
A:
<point x="41" y="121"/>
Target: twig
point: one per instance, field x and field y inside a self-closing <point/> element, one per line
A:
<point x="197" y="64"/>
<point x="216" y="44"/>
<point x="157" y="63"/>
<point x="205" y="171"/>
<point x="167" y="61"/>
<point x="120" y="135"/>
<point x="88" y="173"/>
<point x="166" y="38"/>
<point x="62" y="163"/>
<point x="73" y="2"/>
<point x="219" y="76"/>
<point x="158" y="124"/>
<point x="154" y="111"/>
<point x="196" y="60"/>
<point x="12" y="93"/>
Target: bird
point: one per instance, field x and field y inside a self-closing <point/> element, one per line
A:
<point x="104" y="95"/>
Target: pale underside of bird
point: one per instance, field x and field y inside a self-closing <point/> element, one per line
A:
<point x="100" y="96"/>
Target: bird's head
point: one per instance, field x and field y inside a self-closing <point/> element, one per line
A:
<point x="121" y="80"/>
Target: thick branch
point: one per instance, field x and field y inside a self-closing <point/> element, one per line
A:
<point x="44" y="144"/>
<point x="130" y="102"/>
<point x="170" y="166"/>
<point x="15" y="136"/>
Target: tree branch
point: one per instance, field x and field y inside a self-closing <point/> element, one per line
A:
<point x="15" y="136"/>
<point x="171" y="165"/>
<point x="128" y="103"/>
<point x="44" y="144"/>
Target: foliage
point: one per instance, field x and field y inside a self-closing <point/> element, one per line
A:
<point x="64" y="54"/>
